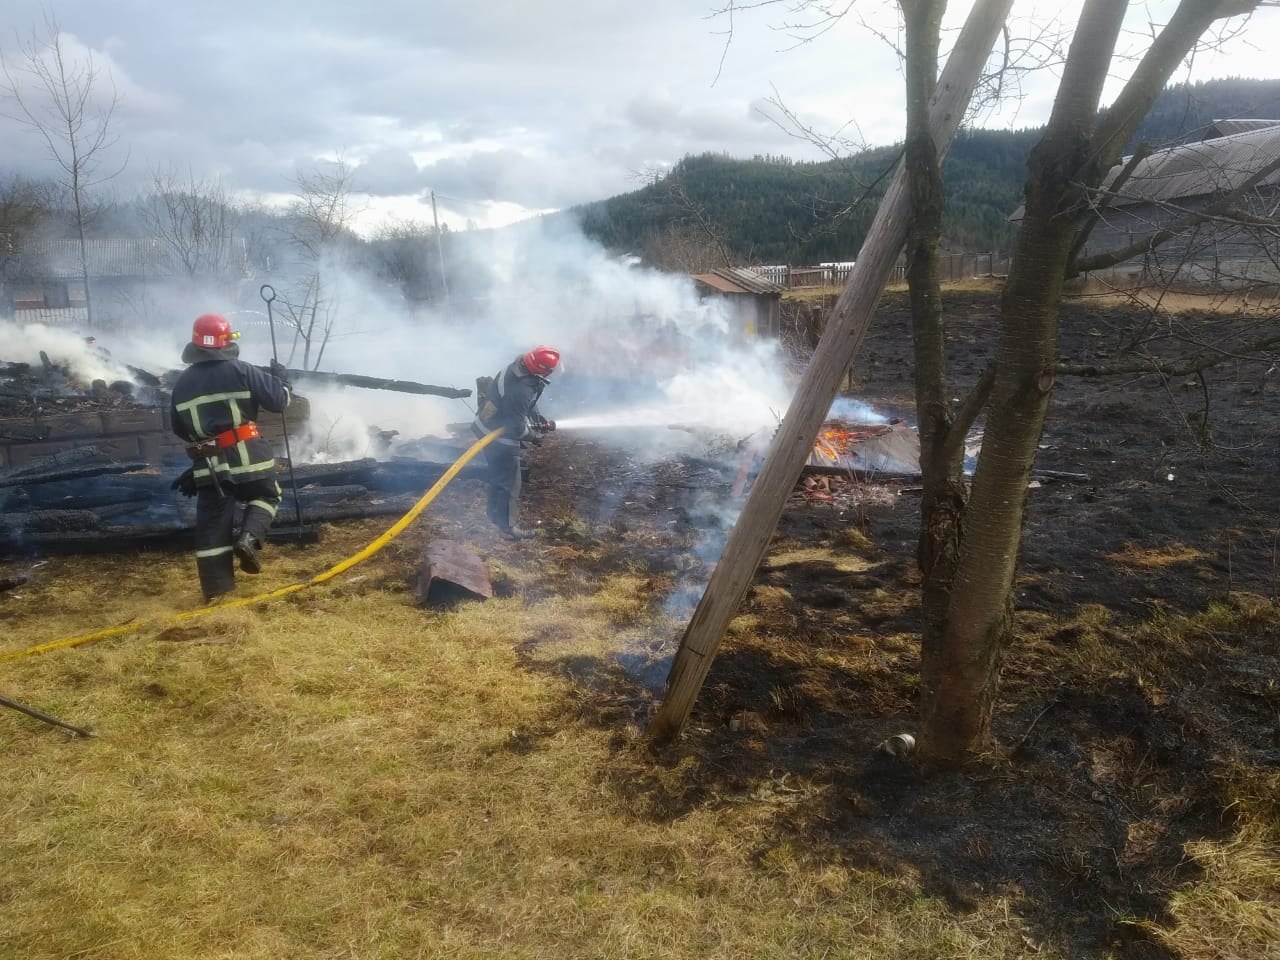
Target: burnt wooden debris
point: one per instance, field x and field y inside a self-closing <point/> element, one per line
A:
<point x="90" y="507"/>
<point x="377" y="383"/>
<point x="87" y="466"/>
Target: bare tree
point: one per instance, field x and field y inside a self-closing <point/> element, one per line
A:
<point x="194" y="220"/>
<point x="970" y="547"/>
<point x="59" y="99"/>
<point x="690" y="226"/>
<point x="320" y="218"/>
<point x="405" y="250"/>
<point x="24" y="204"/>
<point x="681" y="247"/>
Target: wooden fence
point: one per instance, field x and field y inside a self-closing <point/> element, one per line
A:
<point x="952" y="267"/>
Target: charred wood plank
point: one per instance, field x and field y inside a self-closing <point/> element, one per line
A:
<point x="346" y="472"/>
<point x="378" y="383"/>
<point x="125" y="488"/>
<point x="73" y="473"/>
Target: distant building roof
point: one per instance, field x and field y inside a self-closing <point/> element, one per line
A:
<point x="1215" y="165"/>
<point x="1226" y="128"/>
<point x="60" y="259"/>
<point x="738" y="280"/>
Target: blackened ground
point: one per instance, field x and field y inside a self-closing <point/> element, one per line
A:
<point x="1131" y="706"/>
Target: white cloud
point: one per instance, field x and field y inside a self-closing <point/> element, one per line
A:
<point x="504" y="104"/>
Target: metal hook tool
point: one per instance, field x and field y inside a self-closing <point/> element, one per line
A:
<point x="268" y="294"/>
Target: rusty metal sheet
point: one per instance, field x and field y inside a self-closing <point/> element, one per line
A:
<point x="451" y="572"/>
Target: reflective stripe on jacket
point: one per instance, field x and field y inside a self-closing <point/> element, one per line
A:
<point x="213" y="396"/>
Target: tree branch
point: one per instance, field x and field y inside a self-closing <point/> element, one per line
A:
<point x="1213" y="211"/>
<point x="1096" y="210"/>
<point x="968" y="412"/>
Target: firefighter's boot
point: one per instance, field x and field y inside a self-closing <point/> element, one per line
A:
<point x="246" y="550"/>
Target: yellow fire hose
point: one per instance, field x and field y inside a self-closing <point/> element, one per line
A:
<point x="392" y="532"/>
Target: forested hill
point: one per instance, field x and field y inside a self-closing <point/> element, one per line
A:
<point x="775" y="210"/>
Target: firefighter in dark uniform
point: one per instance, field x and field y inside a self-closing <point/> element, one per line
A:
<point x="510" y="401"/>
<point x="215" y="408"/>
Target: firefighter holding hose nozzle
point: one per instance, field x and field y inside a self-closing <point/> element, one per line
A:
<point x="215" y="408"/>
<point x="510" y="401"/>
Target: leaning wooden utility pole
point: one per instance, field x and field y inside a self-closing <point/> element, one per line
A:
<point x="435" y="218"/>
<point x="839" y="345"/>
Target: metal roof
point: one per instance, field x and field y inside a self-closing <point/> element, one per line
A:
<point x="738" y="280"/>
<point x="1226" y="128"/>
<point x="1195" y="169"/>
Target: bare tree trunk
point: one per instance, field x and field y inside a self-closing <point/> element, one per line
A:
<point x="941" y="459"/>
<point x="84" y="257"/>
<point x="1073" y="157"/>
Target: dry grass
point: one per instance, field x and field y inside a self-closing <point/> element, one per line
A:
<point x="837" y="559"/>
<point x="1234" y="911"/>
<point x="1255" y="303"/>
<point x="969" y="285"/>
<point x="341" y="774"/>
<point x="1154" y="558"/>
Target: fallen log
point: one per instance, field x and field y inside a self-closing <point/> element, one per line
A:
<point x="377" y="383"/>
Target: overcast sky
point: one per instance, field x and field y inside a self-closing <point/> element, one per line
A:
<point x="502" y="107"/>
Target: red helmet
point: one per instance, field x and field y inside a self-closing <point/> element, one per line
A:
<point x="541" y="361"/>
<point x="212" y="331"/>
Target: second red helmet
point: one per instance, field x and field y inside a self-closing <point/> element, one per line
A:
<point x="542" y="361"/>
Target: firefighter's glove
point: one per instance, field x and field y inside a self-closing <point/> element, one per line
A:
<point x="186" y="483"/>
<point x="279" y="370"/>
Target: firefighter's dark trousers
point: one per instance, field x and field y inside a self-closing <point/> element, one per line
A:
<point x="215" y="527"/>
<point x="504" y="483"/>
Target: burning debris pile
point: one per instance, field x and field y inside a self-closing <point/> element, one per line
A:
<point x="86" y="463"/>
<point x="84" y="501"/>
<point x="882" y="448"/>
<point x="844" y="453"/>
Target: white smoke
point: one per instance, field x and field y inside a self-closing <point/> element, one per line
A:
<point x="102" y="358"/>
<point x="617" y="326"/>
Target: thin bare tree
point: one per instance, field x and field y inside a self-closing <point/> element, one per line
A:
<point x="405" y="252"/>
<point x="320" y="218"/>
<point x="69" y="103"/>
<point x="24" y="204"/>
<point x="194" y="220"/>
